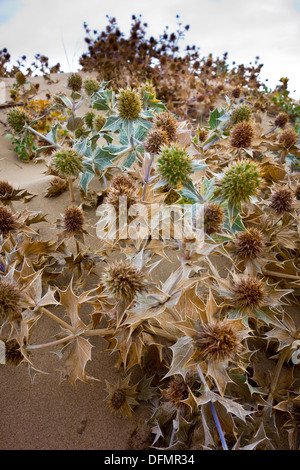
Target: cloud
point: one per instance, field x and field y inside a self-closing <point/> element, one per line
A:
<point x="245" y="29"/>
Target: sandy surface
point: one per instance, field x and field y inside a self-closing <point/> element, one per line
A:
<point x="45" y="414"/>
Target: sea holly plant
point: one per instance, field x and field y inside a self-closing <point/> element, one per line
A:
<point x="198" y="307"/>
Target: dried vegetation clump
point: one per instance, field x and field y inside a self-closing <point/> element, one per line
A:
<point x="185" y="174"/>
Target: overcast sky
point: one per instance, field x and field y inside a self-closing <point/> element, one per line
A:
<point x="245" y="29"/>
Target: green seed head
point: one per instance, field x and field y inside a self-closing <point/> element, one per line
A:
<point x="75" y="82"/>
<point x="90" y="86"/>
<point x="68" y="162"/>
<point x="89" y="119"/>
<point x="241" y="113"/>
<point x="99" y="122"/>
<point x="174" y="165"/>
<point x="241" y="181"/>
<point x="20" y="78"/>
<point x="129" y="104"/>
<point x="17" y="118"/>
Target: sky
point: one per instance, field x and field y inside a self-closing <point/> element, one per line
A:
<point x="245" y="29"/>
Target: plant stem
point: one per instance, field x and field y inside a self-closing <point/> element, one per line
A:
<point x="146" y="180"/>
<point x="282" y="358"/>
<point x="279" y="274"/>
<point x="57" y="319"/>
<point x="213" y="410"/>
<point x="49" y="345"/>
<point x="71" y="189"/>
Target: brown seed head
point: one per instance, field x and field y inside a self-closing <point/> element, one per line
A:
<point x="248" y="292"/>
<point x="281" y="120"/>
<point x="236" y="92"/>
<point x="177" y="391"/>
<point x="281" y="200"/>
<point x="167" y="123"/>
<point x="297" y="192"/>
<point x="7" y="221"/>
<point x="213" y="218"/>
<point x="122" y="187"/>
<point x="117" y="400"/>
<point x="13" y="354"/>
<point x="288" y="138"/>
<point x="73" y="220"/>
<point x="249" y="244"/>
<point x="10" y="300"/>
<point x="218" y="341"/>
<point x="202" y="134"/>
<point x="155" y="139"/>
<point x="242" y="135"/>
<point x="123" y="280"/>
<point x="75" y="82"/>
<point x="6" y="190"/>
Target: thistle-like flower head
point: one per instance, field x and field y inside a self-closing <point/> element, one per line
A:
<point x="288" y="138"/>
<point x="167" y="123"/>
<point x="17" y="118"/>
<point x="236" y="92"/>
<point x="248" y="292"/>
<point x="75" y="82"/>
<point x="99" y="122"/>
<point x="174" y="164"/>
<point x="122" y="187"/>
<point x="90" y="86"/>
<point x="281" y="120"/>
<point x="13" y="354"/>
<point x="7" y="221"/>
<point x="242" y="135"/>
<point x="249" y="244"/>
<point x="68" y="162"/>
<point x="73" y="220"/>
<point x="129" y="104"/>
<point x="241" y="181"/>
<point x="10" y="301"/>
<point x="155" y="140"/>
<point x="240" y="113"/>
<point x="281" y="200"/>
<point x="20" y="78"/>
<point x="213" y="218"/>
<point x="123" y="280"/>
<point x="218" y="341"/>
<point x="6" y="190"/>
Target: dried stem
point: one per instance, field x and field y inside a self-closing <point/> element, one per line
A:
<point x="70" y="181"/>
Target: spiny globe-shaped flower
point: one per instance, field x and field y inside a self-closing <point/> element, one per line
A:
<point x="218" y="341"/>
<point x="89" y="119"/>
<point x="281" y="120"/>
<point x="241" y="181"/>
<point x="281" y="200"/>
<point x="241" y="113"/>
<point x="17" y="118"/>
<point x="75" y="82"/>
<point x="90" y="86"/>
<point x="248" y="292"/>
<point x="249" y="244"/>
<point x="7" y="221"/>
<point x="99" y="122"/>
<point x="213" y="218"/>
<point x="68" y="161"/>
<point x="167" y="123"/>
<point x="117" y="400"/>
<point x="13" y="354"/>
<point x="297" y="192"/>
<point x="123" y="280"/>
<point x="177" y="391"/>
<point x="121" y="187"/>
<point x="242" y="135"/>
<point x="73" y="220"/>
<point x="6" y="190"/>
<point x="288" y="138"/>
<point x="129" y="104"/>
<point x="155" y="140"/>
<point x="20" y="78"/>
<point x="202" y="134"/>
<point x="174" y="164"/>
<point x="236" y="92"/>
<point x="10" y="301"/>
